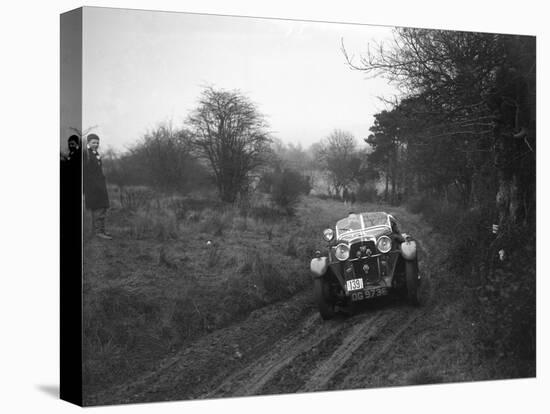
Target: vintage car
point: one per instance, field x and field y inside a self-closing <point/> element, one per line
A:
<point x="366" y="257"/>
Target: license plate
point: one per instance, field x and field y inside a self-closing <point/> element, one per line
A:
<point x="369" y="293"/>
<point x="354" y="284"/>
<point x="372" y="293"/>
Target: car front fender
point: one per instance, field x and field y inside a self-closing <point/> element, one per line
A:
<point x="408" y="250"/>
<point x="318" y="266"/>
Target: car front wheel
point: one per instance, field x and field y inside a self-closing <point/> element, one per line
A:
<point x="321" y="290"/>
<point x="412" y="282"/>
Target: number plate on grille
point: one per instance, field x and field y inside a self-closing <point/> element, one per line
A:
<point x="354" y="284"/>
<point x="369" y="293"/>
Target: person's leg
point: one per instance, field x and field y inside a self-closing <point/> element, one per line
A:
<point x="103" y="217"/>
<point x="101" y="220"/>
<point x="95" y="223"/>
<point x="99" y="229"/>
<point x="101" y="223"/>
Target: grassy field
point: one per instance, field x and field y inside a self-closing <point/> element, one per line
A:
<point x="178" y="268"/>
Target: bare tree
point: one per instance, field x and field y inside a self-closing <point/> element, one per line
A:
<point x="338" y="153"/>
<point x="230" y="133"/>
<point x="477" y="89"/>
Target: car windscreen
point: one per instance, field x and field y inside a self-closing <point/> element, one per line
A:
<point x="361" y="221"/>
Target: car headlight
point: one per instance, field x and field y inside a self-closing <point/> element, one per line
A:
<point x="328" y="234"/>
<point x="342" y="252"/>
<point x="383" y="244"/>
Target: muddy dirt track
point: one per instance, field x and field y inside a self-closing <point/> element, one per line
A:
<point x="286" y="348"/>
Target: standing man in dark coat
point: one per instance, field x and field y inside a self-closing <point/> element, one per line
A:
<point x="72" y="161"/>
<point x="71" y="165"/>
<point x="95" y="188"/>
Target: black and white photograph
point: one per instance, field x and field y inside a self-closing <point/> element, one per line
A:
<point x="300" y="206"/>
<point x="280" y="206"/>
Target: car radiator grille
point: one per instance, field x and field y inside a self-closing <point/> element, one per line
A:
<point x="368" y="270"/>
<point x="363" y="248"/>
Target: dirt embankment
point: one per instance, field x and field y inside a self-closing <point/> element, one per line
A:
<point x="286" y="347"/>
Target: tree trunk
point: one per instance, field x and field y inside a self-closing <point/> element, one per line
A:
<point x="387" y="174"/>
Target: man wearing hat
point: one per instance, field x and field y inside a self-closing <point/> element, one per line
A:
<point x="95" y="189"/>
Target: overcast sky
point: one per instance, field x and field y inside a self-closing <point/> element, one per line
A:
<point x="141" y="68"/>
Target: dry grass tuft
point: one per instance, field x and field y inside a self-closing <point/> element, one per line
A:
<point x="158" y="224"/>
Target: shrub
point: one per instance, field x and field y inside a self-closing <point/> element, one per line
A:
<point x="273" y="284"/>
<point x="506" y="304"/>
<point x="446" y="218"/>
<point x="159" y="224"/>
<point x="241" y="296"/>
<point x="179" y="207"/>
<point x="367" y="194"/>
<point x="165" y="260"/>
<point x="265" y="213"/>
<point x="501" y="299"/>
<point x="286" y="189"/>
<point x="421" y="204"/>
<point x="241" y="223"/>
<point x="117" y="328"/>
<point x="292" y="246"/>
<point x="213" y="256"/>
<point x="269" y="232"/>
<point x="443" y="216"/>
<point x="183" y="207"/>
<point x="135" y="198"/>
<point x="424" y="376"/>
<point x="264" y="279"/>
<point x="215" y="222"/>
<point x="188" y="319"/>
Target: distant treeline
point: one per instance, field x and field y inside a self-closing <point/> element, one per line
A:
<point x="225" y="146"/>
<point x="463" y="132"/>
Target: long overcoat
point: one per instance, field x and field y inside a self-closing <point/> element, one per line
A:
<point x="71" y="168"/>
<point x="95" y="188"/>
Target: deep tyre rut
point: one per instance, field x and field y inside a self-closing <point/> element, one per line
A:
<point x="359" y="334"/>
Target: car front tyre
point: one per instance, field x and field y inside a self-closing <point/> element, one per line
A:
<point x="321" y="291"/>
<point x="411" y="270"/>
